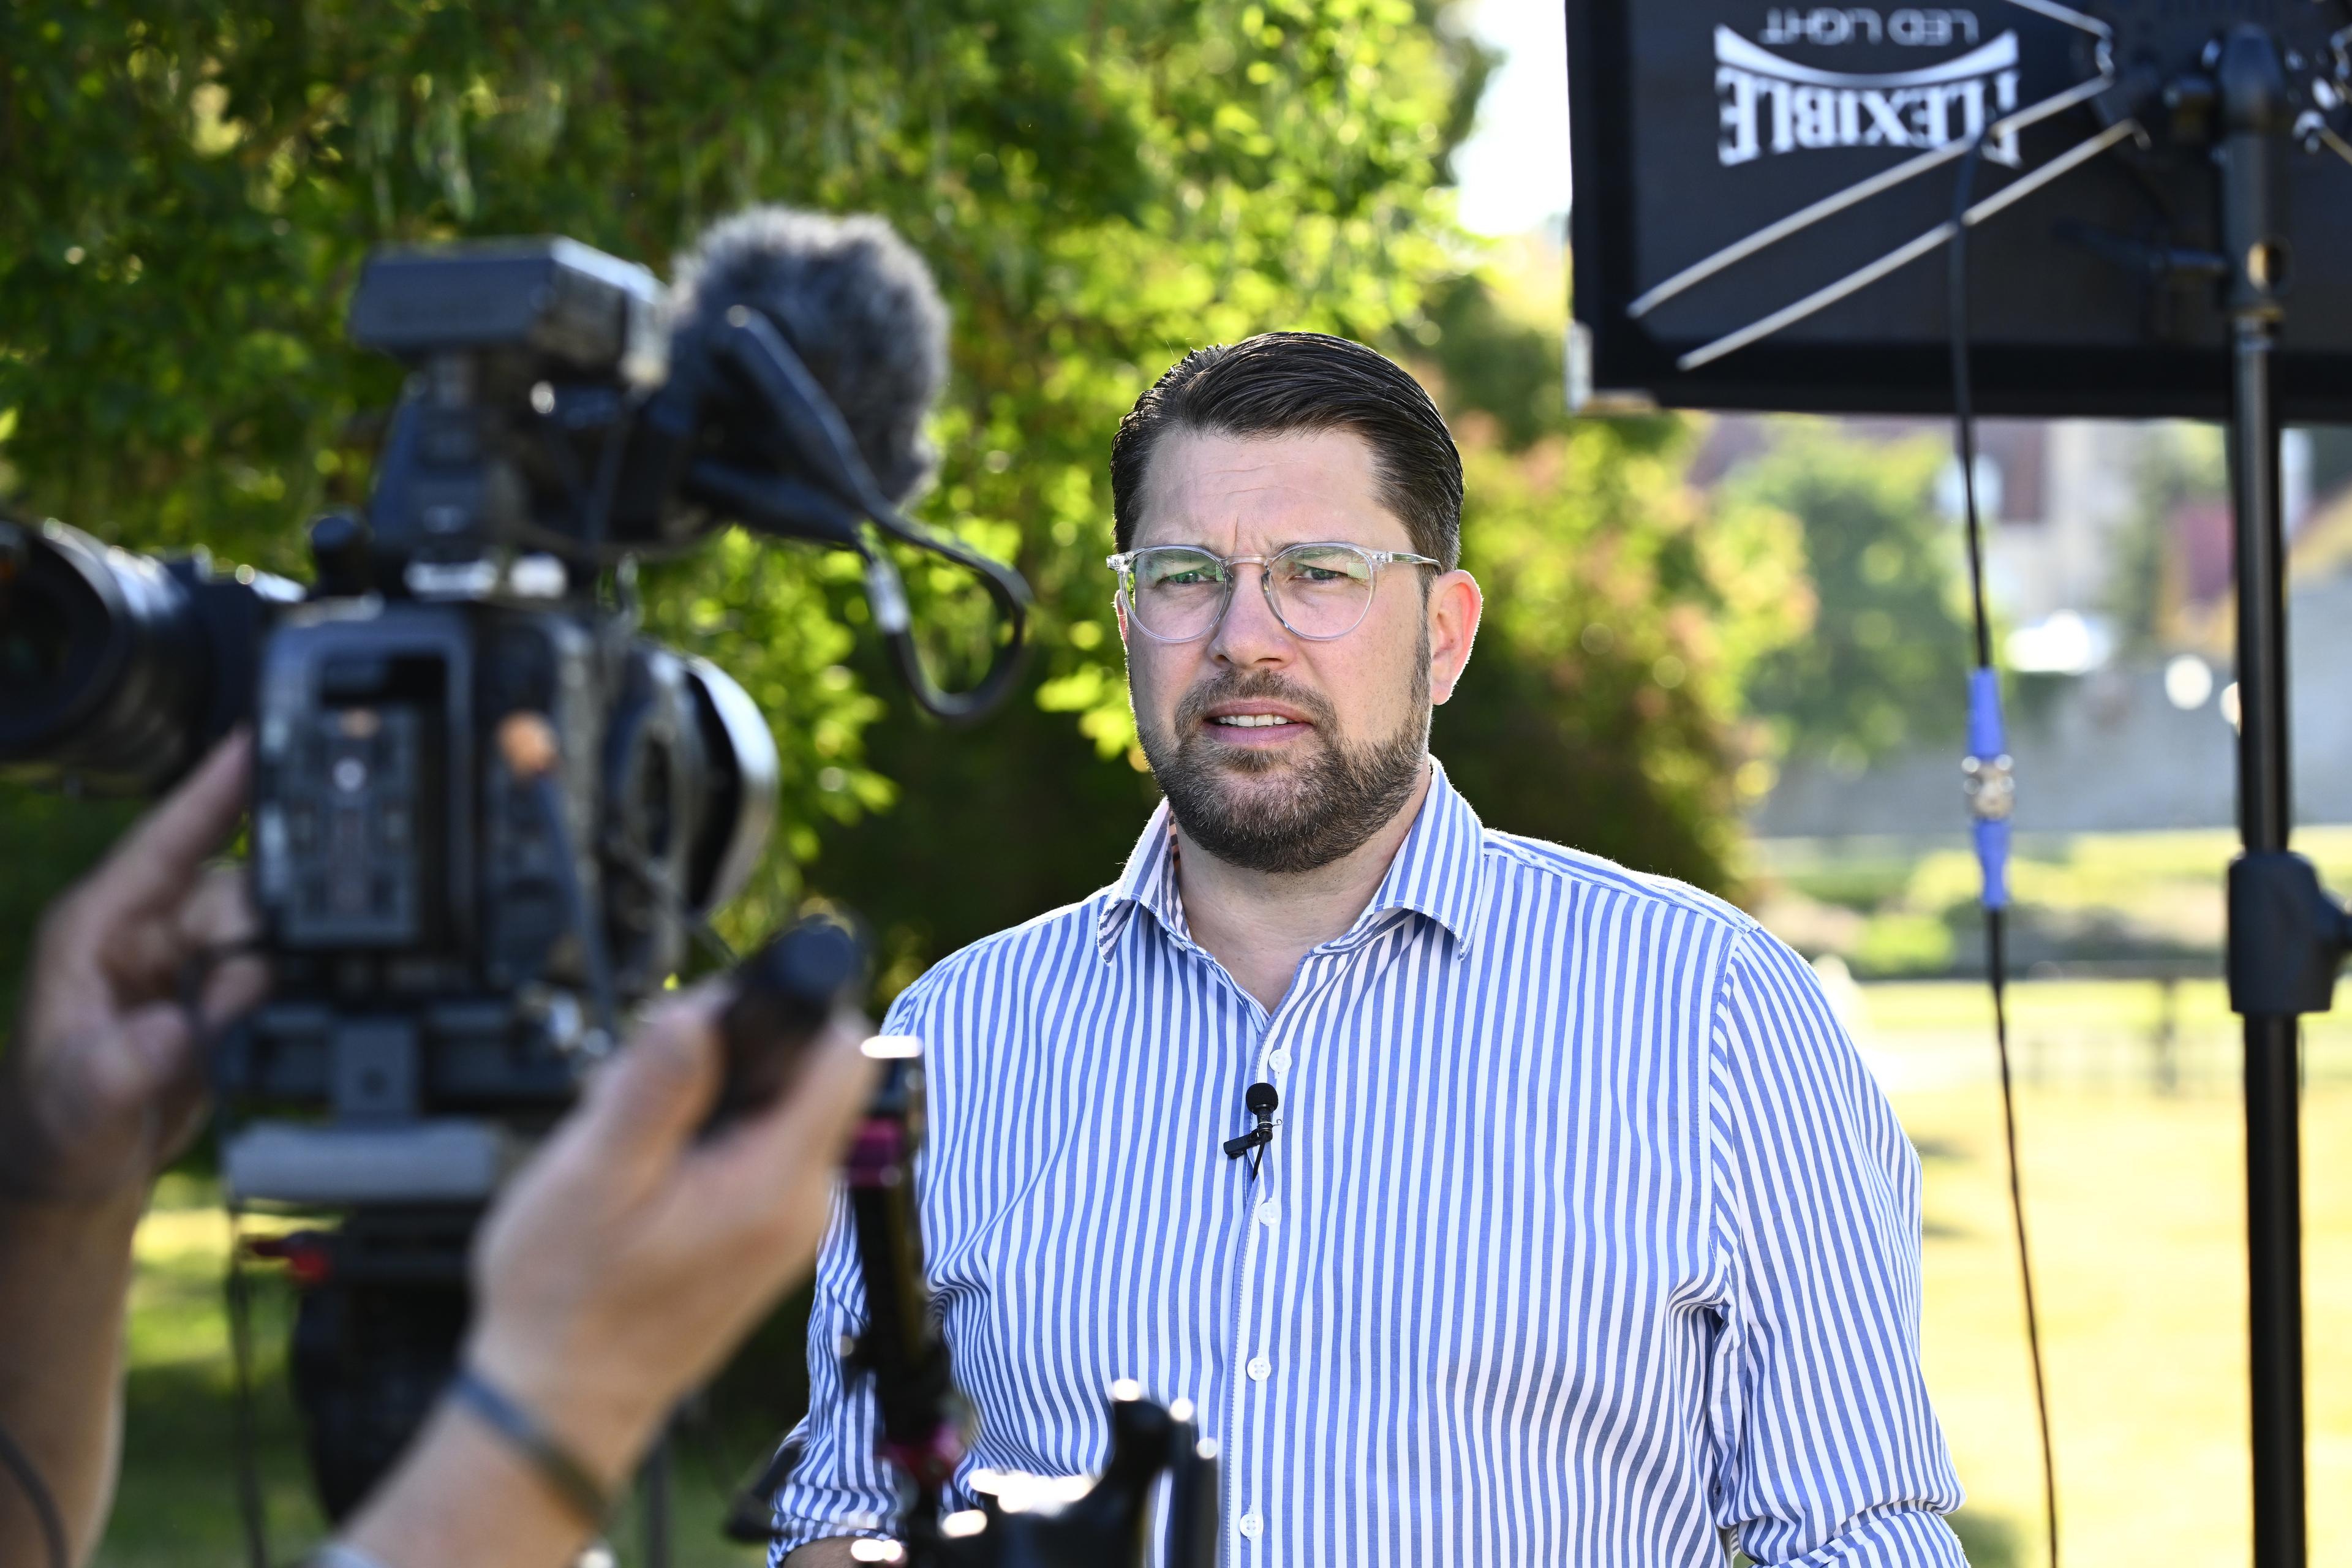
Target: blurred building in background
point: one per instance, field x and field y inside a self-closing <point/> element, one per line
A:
<point x="2108" y="561"/>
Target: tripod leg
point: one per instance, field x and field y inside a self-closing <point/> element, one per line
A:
<point x="653" y="1494"/>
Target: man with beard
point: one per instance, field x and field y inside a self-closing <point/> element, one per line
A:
<point x="1583" y="1234"/>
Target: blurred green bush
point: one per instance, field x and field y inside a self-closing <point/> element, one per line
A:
<point x="1887" y="660"/>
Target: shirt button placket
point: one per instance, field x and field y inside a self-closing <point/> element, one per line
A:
<point x="1267" y="1211"/>
<point x="1250" y="1415"/>
<point x="1249" y="1410"/>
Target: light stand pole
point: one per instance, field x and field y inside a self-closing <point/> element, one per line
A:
<point x="2267" y="885"/>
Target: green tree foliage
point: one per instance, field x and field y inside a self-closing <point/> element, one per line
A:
<point x="1886" y="663"/>
<point x="1494" y="365"/>
<point x="1098" y="187"/>
<point x="1623" y="616"/>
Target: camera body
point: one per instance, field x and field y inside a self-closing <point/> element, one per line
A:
<point x="456" y="916"/>
<point x="487" y="814"/>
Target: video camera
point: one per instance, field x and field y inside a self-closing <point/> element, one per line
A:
<point x="488" y="815"/>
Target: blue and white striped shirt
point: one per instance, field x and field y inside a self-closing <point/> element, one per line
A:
<point x="1585" y="1238"/>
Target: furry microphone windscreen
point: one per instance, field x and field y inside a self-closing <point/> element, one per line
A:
<point x="857" y="304"/>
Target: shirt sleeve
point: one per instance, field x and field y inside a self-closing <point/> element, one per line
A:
<point x="838" y="1488"/>
<point x="1827" y="1449"/>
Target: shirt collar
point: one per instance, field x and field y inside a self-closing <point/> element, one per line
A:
<point x="1436" y="871"/>
<point x="1435" y="874"/>
<point x="1149" y="883"/>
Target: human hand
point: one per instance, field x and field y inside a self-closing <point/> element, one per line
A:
<point x="104" y="1080"/>
<point x="624" y="1264"/>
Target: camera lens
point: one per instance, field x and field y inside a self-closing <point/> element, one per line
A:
<point x="102" y="662"/>
<point x="35" y="640"/>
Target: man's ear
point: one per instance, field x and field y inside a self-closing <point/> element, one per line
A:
<point x="1454" y="607"/>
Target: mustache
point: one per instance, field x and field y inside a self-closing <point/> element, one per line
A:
<point x="1261" y="686"/>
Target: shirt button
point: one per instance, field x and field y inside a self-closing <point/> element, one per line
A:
<point x="1268" y="1212"/>
<point x="1280" y="1059"/>
<point x="1251" y="1525"/>
<point x="1260" y="1368"/>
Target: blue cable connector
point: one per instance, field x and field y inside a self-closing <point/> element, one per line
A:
<point x="1989" y="781"/>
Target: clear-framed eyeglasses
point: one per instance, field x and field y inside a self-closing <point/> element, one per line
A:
<point x="1177" y="593"/>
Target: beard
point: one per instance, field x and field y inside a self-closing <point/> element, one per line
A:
<point x="1309" y="812"/>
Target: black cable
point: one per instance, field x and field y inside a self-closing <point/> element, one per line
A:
<point x="28" y="1475"/>
<point x="1964" y="398"/>
<point x="1995" y="934"/>
<point x="844" y="489"/>
<point x="715" y="947"/>
<point x="1996" y="955"/>
<point x="751" y="1512"/>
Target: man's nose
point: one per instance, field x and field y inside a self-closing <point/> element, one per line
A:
<point x="1250" y="634"/>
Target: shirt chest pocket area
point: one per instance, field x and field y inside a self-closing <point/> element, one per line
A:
<point x="1103" y="1265"/>
<point x="1516" y="1272"/>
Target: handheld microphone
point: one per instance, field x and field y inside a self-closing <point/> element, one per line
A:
<point x="1262" y="1102"/>
<point x="784" y="995"/>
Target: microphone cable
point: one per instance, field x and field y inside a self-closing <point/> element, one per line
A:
<point x="1991" y="784"/>
<point x="838" y="496"/>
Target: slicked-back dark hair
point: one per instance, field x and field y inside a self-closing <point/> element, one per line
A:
<point x="1301" y="383"/>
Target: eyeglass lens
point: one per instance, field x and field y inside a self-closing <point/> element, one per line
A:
<point x="1318" y="589"/>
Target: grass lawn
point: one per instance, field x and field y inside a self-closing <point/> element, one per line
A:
<point x="2135" y="1200"/>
